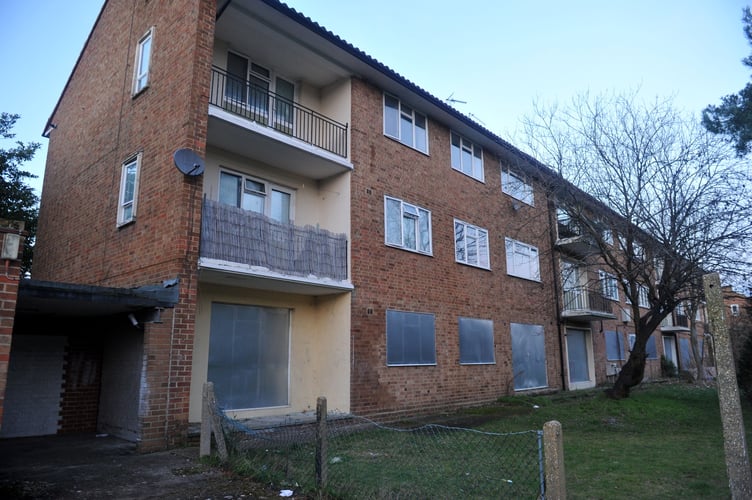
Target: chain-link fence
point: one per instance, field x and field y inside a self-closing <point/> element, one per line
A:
<point x="345" y="456"/>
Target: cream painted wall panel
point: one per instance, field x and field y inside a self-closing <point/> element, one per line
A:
<point x="319" y="347"/>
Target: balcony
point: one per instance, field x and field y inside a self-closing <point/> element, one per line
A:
<point x="249" y="120"/>
<point x="675" y="323"/>
<point x="585" y="304"/>
<point x="247" y="249"/>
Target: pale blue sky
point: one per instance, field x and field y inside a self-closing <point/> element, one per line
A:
<point x="497" y="55"/>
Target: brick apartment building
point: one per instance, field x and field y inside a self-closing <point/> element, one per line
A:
<point x="234" y="194"/>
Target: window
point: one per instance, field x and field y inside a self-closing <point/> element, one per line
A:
<point x="734" y="310"/>
<point x="403" y="123"/>
<point x="249" y="355"/>
<point x="522" y="260"/>
<point x="143" y="61"/>
<point x="515" y="186"/>
<point x="128" y="190"/>
<point x="631" y="337"/>
<point x="608" y="236"/>
<point x="609" y="285"/>
<point x="476" y="341"/>
<point x="467" y="157"/>
<point x="407" y="226"/>
<point x="255" y="88"/>
<point x="642" y="295"/>
<point x="528" y="356"/>
<point x="650" y="348"/>
<point x="615" y="350"/>
<point x="410" y="338"/>
<point x="256" y="195"/>
<point x="471" y="245"/>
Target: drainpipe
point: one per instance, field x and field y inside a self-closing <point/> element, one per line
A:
<point x="557" y="291"/>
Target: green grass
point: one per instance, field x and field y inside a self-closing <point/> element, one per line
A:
<point x="665" y="441"/>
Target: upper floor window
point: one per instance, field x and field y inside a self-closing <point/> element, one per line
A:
<point x="642" y="295"/>
<point x="516" y="186"/>
<point x="467" y="157"/>
<point x="257" y="89"/>
<point x="522" y="260"/>
<point x="734" y="309"/>
<point x="128" y="190"/>
<point x="143" y="61"/>
<point x="256" y="195"/>
<point x="403" y="123"/>
<point x="471" y="245"/>
<point x="609" y="285"/>
<point x="407" y="226"/>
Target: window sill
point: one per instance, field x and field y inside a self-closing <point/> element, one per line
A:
<point x="397" y="247"/>
<point x="395" y="139"/>
<point x="473" y="265"/>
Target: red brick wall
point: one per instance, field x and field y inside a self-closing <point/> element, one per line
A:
<point x="99" y="126"/>
<point x="8" y="297"/>
<point x="82" y="377"/>
<point x="387" y="278"/>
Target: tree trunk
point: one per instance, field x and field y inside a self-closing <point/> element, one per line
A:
<point x="631" y="374"/>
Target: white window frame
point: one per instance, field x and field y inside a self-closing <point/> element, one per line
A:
<point x="413" y="213"/>
<point x="517" y="186"/>
<point x="609" y="285"/>
<point x="734" y="309"/>
<point x="462" y="249"/>
<point x="475" y="152"/>
<point x="409" y="113"/>
<point x="128" y="202"/>
<point x="642" y="295"/>
<point x="143" y="62"/>
<point x="268" y="188"/>
<point x="530" y="256"/>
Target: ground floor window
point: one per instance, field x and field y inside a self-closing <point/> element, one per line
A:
<point x="249" y="356"/>
<point x="476" y="341"/>
<point x="528" y="356"/>
<point x="410" y="338"/>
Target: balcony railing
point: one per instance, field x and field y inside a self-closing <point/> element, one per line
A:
<point x="586" y="302"/>
<point x="235" y="235"/>
<point x="258" y="104"/>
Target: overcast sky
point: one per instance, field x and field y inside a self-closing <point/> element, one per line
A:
<point x="497" y="56"/>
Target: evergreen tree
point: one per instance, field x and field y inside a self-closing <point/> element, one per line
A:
<point x="733" y="117"/>
<point x="17" y="199"/>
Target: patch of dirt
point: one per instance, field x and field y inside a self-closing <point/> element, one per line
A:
<point x="87" y="467"/>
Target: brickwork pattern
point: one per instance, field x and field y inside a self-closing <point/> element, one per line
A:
<point x="82" y="377"/>
<point x="100" y="124"/>
<point x="388" y="278"/>
<point x="8" y="298"/>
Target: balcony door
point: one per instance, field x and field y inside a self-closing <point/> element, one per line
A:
<point x="580" y="359"/>
<point x="572" y="277"/>
<point x="254" y="88"/>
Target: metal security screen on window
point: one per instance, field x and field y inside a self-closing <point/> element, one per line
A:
<point x="528" y="356"/>
<point x="615" y="349"/>
<point x="248" y="355"/>
<point x="476" y="341"/>
<point x="410" y="338"/>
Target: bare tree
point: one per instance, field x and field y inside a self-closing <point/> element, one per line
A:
<point x="663" y="201"/>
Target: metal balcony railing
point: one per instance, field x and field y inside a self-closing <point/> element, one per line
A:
<point x="235" y="235"/>
<point x="586" y="299"/>
<point x="244" y="98"/>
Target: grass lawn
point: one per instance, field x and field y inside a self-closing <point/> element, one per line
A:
<point x="664" y="441"/>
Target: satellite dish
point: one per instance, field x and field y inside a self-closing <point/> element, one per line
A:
<point x="188" y="162"/>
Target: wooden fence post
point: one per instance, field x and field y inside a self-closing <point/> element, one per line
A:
<point x="734" y="442"/>
<point x="211" y="423"/>
<point x="321" y="443"/>
<point x="553" y="450"/>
